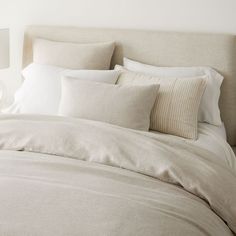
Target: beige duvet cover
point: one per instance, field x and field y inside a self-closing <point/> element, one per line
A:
<point x="78" y="177"/>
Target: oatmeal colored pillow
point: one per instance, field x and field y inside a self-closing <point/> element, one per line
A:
<point x="126" y="106"/>
<point x="92" y="56"/>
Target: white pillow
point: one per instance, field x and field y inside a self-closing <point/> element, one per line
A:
<point x="209" y="109"/>
<point x="126" y="106"/>
<point x="40" y="92"/>
<point x="176" y="108"/>
<point x="92" y="56"/>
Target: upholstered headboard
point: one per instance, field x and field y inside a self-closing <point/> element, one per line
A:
<point x="159" y="48"/>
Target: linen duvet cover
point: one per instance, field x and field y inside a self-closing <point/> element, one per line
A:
<point x="64" y="176"/>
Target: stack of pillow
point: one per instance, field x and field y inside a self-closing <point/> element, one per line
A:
<point x="71" y="79"/>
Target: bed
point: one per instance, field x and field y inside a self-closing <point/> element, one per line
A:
<point x="69" y="176"/>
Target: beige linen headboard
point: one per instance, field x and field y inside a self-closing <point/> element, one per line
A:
<point x="159" y="48"/>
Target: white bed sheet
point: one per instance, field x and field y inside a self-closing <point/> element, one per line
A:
<point x="218" y="130"/>
<point x="209" y="137"/>
<point x="213" y="138"/>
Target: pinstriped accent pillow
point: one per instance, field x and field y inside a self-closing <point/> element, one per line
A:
<point x="176" y="108"/>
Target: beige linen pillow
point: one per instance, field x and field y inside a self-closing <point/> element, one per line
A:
<point x="126" y="106"/>
<point x="94" y="56"/>
<point x="176" y="108"/>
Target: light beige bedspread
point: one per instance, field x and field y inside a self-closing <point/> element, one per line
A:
<point x="78" y="177"/>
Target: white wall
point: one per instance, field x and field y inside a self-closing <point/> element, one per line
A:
<point x="177" y="15"/>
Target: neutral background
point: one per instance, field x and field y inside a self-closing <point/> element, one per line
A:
<point x="169" y="15"/>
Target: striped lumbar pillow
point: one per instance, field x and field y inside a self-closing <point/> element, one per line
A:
<point x="176" y="108"/>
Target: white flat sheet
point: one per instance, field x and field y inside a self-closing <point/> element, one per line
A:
<point x="218" y="130"/>
<point x="213" y="139"/>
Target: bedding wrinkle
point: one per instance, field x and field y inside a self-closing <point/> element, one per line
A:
<point x="115" y="173"/>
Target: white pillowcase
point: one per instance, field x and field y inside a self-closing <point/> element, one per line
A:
<point x="209" y="108"/>
<point x="126" y="106"/>
<point x="40" y="92"/>
<point x="92" y="56"/>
